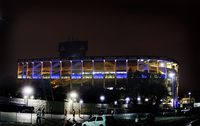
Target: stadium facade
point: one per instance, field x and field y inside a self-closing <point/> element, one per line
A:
<point x="106" y="72"/>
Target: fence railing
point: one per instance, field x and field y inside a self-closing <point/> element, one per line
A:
<point x="26" y="117"/>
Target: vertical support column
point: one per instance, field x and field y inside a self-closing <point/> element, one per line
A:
<point x="41" y="69"/>
<point x="52" y="96"/>
<point x="104" y="73"/>
<point x="175" y="92"/>
<point x="70" y="74"/>
<point x="60" y="69"/>
<point x="81" y="72"/>
<point x="18" y="70"/>
<point x="26" y="70"/>
<point x="33" y="69"/>
<point x="115" y="68"/>
<point x="127" y="72"/>
<point x="148" y="64"/>
<point x="157" y="63"/>
<point x="22" y="69"/>
<point x="92" y="72"/>
<point x="50" y="69"/>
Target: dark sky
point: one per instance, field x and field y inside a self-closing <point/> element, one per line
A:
<point x="127" y="27"/>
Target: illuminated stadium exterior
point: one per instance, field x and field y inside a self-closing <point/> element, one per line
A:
<point x="106" y="72"/>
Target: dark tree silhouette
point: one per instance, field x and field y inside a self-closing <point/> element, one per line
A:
<point x="8" y="86"/>
<point x="146" y="85"/>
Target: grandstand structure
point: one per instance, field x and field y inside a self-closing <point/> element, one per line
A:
<point x="106" y="71"/>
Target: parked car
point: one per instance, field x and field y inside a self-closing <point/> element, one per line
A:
<point x="103" y="120"/>
<point x="194" y="123"/>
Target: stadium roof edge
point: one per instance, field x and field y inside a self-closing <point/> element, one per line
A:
<point x="98" y="57"/>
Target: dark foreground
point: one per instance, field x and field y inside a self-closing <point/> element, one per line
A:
<point x="159" y="121"/>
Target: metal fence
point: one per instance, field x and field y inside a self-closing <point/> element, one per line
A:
<point x="18" y="117"/>
<point x="26" y="117"/>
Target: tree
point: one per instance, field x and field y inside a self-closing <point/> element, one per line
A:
<point x="147" y="85"/>
<point x="8" y="86"/>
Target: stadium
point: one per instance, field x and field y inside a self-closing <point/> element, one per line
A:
<point x="107" y="72"/>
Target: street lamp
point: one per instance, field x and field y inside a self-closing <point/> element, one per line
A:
<point x="27" y="91"/>
<point x="102" y="98"/>
<point x="127" y="100"/>
<point x="115" y="102"/>
<point x="189" y="93"/>
<point x="146" y="99"/>
<point x="139" y="100"/>
<point x="81" y="102"/>
<point x="73" y="96"/>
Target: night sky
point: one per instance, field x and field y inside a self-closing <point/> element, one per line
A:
<point x="34" y="29"/>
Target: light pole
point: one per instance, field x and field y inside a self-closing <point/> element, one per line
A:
<point x="189" y="94"/>
<point x="73" y="96"/>
<point x="127" y="100"/>
<point x="27" y="91"/>
<point x="102" y="98"/>
<point x="139" y="100"/>
<point x="172" y="75"/>
<point x="81" y="102"/>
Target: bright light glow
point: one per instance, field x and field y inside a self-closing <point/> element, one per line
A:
<point x="189" y="93"/>
<point x="70" y="101"/>
<point x="161" y="100"/>
<point x="73" y="95"/>
<point x="28" y="90"/>
<point x="127" y="100"/>
<point x="122" y="72"/>
<point x="102" y="98"/>
<point x="171" y="103"/>
<point x="115" y="102"/>
<point x="110" y="88"/>
<point x="171" y="75"/>
<point x="141" y="60"/>
<point x="25" y="97"/>
<point x="162" y="64"/>
<point x="81" y="101"/>
<point x="109" y="72"/>
<point x="138" y="99"/>
<point x="32" y="97"/>
<point x="97" y="72"/>
<point x="146" y="99"/>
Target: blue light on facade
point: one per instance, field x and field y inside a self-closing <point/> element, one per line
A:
<point x="36" y="77"/>
<point x="76" y="76"/>
<point x="55" y="76"/>
<point x="24" y="76"/>
<point x="162" y="76"/>
<point x="121" y="76"/>
<point x="144" y="76"/>
<point x="98" y="76"/>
